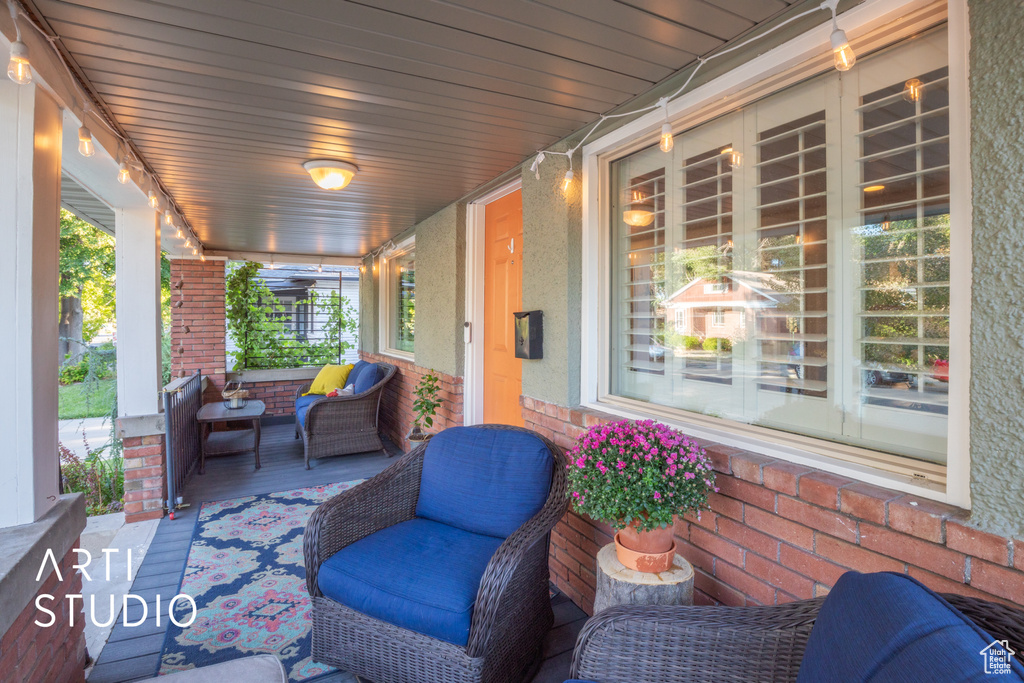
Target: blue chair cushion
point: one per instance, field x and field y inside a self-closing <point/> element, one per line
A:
<point x="889" y="628"/>
<point x="357" y="370"/>
<point x="302" y="404"/>
<point x="419" y="574"/>
<point x="487" y="481"/>
<point x="368" y="376"/>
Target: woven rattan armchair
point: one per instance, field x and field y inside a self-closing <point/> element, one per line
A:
<point x="682" y="644"/>
<point x="342" y="424"/>
<point x="511" y="615"/>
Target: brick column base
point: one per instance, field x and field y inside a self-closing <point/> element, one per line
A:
<point x="30" y="653"/>
<point x="145" y="477"/>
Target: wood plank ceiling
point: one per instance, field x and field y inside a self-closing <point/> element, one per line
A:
<point x="430" y="98"/>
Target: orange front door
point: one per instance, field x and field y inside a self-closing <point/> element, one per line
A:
<point x="503" y="295"/>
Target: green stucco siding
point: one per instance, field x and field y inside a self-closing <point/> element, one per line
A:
<point x="441" y="290"/>
<point x="997" y="301"/>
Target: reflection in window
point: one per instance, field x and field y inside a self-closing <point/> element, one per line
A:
<point x="402" y="290"/>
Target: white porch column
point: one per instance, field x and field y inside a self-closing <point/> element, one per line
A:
<point x="30" y="158"/>
<point x="137" y="232"/>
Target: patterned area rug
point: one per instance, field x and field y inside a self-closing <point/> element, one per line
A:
<point x="246" y="574"/>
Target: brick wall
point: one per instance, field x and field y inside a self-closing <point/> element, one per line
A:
<point x="197" y="321"/>
<point x="396" y="414"/>
<point x="145" y="482"/>
<point x="29" y="653"/>
<point x="778" y="532"/>
<point x="279" y="395"/>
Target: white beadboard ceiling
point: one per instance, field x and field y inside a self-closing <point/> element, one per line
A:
<point x="430" y="98"/>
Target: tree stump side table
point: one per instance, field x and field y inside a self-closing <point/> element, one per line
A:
<point x="617" y="585"/>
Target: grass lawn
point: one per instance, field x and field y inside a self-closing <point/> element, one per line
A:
<point x="88" y="399"/>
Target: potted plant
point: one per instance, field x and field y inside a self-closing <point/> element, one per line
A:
<point x="426" y="403"/>
<point x="638" y="477"/>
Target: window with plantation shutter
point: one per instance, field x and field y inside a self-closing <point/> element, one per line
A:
<point x="787" y="264"/>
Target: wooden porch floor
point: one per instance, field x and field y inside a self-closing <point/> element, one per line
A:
<point x="133" y="653"/>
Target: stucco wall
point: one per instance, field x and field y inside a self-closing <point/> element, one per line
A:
<point x="997" y="303"/>
<point x="552" y="280"/>
<point x="441" y="290"/>
<point x="369" y="306"/>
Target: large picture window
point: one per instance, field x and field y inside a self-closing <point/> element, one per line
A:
<point x="788" y="265"/>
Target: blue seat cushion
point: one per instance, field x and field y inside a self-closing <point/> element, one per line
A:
<point x="357" y="370"/>
<point x="420" y="575"/>
<point x="302" y="404"/>
<point x="889" y="628"/>
<point x="368" y="376"/>
<point x="487" y="481"/>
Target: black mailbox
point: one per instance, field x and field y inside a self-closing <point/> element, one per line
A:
<point x="529" y="334"/>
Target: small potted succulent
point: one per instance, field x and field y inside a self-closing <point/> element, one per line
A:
<point x="638" y="477"/>
<point x="425" y="405"/>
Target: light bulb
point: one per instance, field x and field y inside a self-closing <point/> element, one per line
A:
<point x="168" y="217"/>
<point x="567" y="182"/>
<point x="913" y="90"/>
<point x="202" y="257"/>
<point x="734" y="159"/>
<point x="194" y="252"/>
<point x="841" y="51"/>
<point x="666" y="137"/>
<point x="178" y="233"/>
<point x="18" y="69"/>
<point x="123" y="176"/>
<point x="85" y="144"/>
<point x="188" y="243"/>
<point x="362" y="269"/>
<point x="320" y="268"/>
<point x="272" y="266"/>
<point x="154" y="201"/>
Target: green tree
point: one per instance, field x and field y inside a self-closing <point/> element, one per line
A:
<point x="86" y="284"/>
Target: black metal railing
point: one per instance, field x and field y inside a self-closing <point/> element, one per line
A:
<point x="182" y="400"/>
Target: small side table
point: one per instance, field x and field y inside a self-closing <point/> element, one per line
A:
<point x="232" y="441"/>
<point x="617" y="585"/>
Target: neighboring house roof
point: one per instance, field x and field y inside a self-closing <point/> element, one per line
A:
<point x="764" y="285"/>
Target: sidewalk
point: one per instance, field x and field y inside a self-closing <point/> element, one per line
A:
<point x="95" y="429"/>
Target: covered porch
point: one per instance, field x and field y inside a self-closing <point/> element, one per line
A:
<point x="797" y="248"/>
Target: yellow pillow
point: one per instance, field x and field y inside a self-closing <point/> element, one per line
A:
<point x="329" y="378"/>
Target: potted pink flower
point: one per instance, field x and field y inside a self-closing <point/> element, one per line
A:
<point x="638" y="477"/>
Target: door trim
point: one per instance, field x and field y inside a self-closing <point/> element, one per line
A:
<point x="473" y="381"/>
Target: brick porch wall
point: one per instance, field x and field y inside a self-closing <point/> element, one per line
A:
<point x="145" y="477"/>
<point x="29" y="653"/>
<point x="198" y="321"/>
<point x="396" y="415"/>
<point x="279" y="395"/>
<point x="778" y="532"/>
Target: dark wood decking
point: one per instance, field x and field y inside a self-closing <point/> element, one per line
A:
<point x="133" y="653"/>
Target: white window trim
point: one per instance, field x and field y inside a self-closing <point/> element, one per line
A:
<point x="384" y="300"/>
<point x="795" y="60"/>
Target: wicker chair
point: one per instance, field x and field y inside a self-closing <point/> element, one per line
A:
<point x="342" y="424"/>
<point x="510" y="617"/>
<point x="683" y="644"/>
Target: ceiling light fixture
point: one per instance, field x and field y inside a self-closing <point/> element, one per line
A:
<point x="330" y="175"/>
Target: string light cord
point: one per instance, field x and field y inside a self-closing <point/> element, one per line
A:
<point x="131" y="157"/>
<point x="830" y="5"/>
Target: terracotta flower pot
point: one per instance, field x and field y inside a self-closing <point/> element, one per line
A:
<point x="645" y="551"/>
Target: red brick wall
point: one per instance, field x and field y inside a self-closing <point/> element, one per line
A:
<point x="279" y="395"/>
<point x="396" y="415"/>
<point x="778" y="532"/>
<point x="197" y="321"/>
<point x="145" y="477"/>
<point x="29" y="653"/>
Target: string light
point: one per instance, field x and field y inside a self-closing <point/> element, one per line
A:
<point x="912" y="90"/>
<point x="320" y="268"/>
<point x="18" y="69"/>
<point x="272" y="266"/>
<point x="666" y="129"/>
<point x="188" y="243"/>
<point x="168" y="217"/>
<point x="86" y="147"/>
<point x="202" y="256"/>
<point x="733" y="158"/>
<point x="154" y="201"/>
<point x="844" y="59"/>
<point x="178" y="233"/>
<point x="123" y="175"/>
